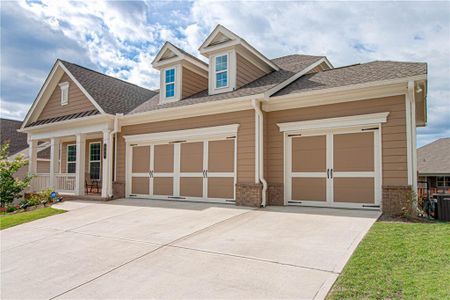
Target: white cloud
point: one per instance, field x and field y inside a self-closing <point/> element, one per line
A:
<point x="123" y="37"/>
<point x="11" y="110"/>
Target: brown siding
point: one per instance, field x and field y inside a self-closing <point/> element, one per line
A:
<point x="245" y="138"/>
<point x="393" y="134"/>
<point x="78" y="102"/>
<point x="246" y="71"/>
<point x="192" y="83"/>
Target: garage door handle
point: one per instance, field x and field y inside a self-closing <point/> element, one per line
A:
<point x="331" y="173"/>
<point x="328" y="173"/>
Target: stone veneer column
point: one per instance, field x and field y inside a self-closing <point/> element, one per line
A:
<point x="249" y="194"/>
<point x="397" y="200"/>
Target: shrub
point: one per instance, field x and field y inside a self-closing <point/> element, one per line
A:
<point x="10" y="208"/>
<point x="10" y="187"/>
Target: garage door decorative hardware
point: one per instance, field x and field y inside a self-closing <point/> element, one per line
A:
<point x="369" y="129"/>
<point x="176" y="197"/>
<point x="292" y="135"/>
<point x="176" y="142"/>
<point x="375" y="206"/>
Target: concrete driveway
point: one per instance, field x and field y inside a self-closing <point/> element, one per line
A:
<point x="155" y="249"/>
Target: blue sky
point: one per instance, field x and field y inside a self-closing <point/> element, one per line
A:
<point x="121" y="38"/>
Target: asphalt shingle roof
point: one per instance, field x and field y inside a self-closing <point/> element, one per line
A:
<point x="8" y="133"/>
<point x="354" y="74"/>
<point x="434" y="158"/>
<point x="289" y="65"/>
<point x="112" y="94"/>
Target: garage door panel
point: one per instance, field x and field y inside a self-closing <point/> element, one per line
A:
<point x="163" y="158"/>
<point x="221" y="156"/>
<point x="354" y="190"/>
<point x="221" y="188"/>
<point x="191" y="187"/>
<point x="163" y="186"/>
<point x="191" y="159"/>
<point x="309" y="154"/>
<point x="141" y="159"/>
<point x="353" y="152"/>
<point x="314" y="189"/>
<point x="140" y="185"/>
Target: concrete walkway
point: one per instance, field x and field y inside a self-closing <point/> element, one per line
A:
<point x="156" y="249"/>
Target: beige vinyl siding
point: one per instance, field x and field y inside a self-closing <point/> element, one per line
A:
<point x="393" y="134"/>
<point x="78" y="102"/>
<point x="246" y="72"/>
<point x="86" y="164"/>
<point x="192" y="83"/>
<point x="245" y="138"/>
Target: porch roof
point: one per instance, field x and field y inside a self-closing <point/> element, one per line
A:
<point x="64" y="118"/>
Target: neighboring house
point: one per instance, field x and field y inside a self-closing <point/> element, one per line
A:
<point x="18" y="145"/>
<point x="433" y="166"/>
<point x="241" y="128"/>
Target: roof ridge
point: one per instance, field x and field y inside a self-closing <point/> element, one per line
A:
<point x="109" y="76"/>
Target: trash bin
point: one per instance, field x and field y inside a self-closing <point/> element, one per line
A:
<point x="443" y="207"/>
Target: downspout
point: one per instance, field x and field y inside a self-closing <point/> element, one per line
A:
<point x="259" y="142"/>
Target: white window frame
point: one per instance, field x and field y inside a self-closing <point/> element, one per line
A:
<point x="222" y="71"/>
<point x="99" y="160"/>
<point x="64" y="86"/>
<point x="67" y="158"/>
<point x="174" y="83"/>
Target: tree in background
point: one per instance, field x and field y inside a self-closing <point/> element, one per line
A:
<point x="10" y="187"/>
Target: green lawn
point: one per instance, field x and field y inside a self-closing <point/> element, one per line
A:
<point x="398" y="261"/>
<point x="7" y="221"/>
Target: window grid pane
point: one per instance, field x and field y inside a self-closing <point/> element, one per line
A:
<point x="71" y="167"/>
<point x="71" y="153"/>
<point x="221" y="63"/>
<point x="170" y="76"/>
<point x="222" y="79"/>
<point x="95" y="151"/>
<point x="170" y="90"/>
<point x="94" y="170"/>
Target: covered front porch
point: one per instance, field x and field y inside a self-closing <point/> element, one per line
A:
<point x="81" y="160"/>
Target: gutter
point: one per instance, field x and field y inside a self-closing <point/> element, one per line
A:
<point x="259" y="143"/>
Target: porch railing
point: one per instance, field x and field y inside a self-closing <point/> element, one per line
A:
<point x="40" y="181"/>
<point x="65" y="182"/>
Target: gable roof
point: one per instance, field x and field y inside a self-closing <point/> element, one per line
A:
<point x="289" y="66"/>
<point x="113" y="95"/>
<point x="162" y="58"/>
<point x="8" y="132"/>
<point x="434" y="158"/>
<point x="223" y="37"/>
<point x="354" y="74"/>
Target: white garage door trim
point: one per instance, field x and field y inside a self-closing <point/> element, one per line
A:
<point x="204" y="135"/>
<point x="330" y="127"/>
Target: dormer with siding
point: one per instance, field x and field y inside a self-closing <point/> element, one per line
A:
<point x="232" y="61"/>
<point x="181" y="74"/>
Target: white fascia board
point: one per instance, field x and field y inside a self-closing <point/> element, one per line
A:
<point x="292" y="78"/>
<point x="187" y="134"/>
<point x="349" y="121"/>
<point x="157" y="64"/>
<point x="348" y="93"/>
<point x="219" y="29"/>
<point x="194" y="110"/>
<point x="74" y="123"/>
<point x="39" y="96"/>
<point x="81" y="88"/>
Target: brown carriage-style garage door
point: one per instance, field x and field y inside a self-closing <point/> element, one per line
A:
<point x="332" y="168"/>
<point x="193" y="170"/>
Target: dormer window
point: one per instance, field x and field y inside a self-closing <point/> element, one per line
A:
<point x="221" y="63"/>
<point x="170" y="83"/>
<point x="64" y="86"/>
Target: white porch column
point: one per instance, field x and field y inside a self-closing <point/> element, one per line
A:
<point x="54" y="161"/>
<point x="32" y="156"/>
<point x="106" y="165"/>
<point x="80" y="163"/>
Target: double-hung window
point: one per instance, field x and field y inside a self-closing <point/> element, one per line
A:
<point x="94" y="160"/>
<point x="169" y="80"/>
<point x="221" y="72"/>
<point x="71" y="158"/>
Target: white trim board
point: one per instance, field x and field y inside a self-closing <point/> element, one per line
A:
<point x="186" y="134"/>
<point x="349" y="121"/>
